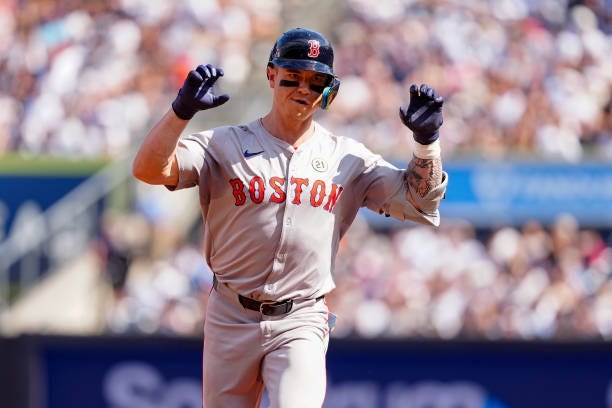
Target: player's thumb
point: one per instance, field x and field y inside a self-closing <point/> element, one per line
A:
<point x="220" y="99"/>
<point x="405" y="115"/>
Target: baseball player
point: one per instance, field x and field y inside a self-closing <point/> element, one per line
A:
<point x="277" y="195"/>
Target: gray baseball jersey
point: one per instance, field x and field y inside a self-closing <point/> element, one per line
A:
<point x="262" y="200"/>
<point x="273" y="218"/>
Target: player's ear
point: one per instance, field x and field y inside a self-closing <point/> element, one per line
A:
<point x="271" y="73"/>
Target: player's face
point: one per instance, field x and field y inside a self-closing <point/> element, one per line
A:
<point x="297" y="92"/>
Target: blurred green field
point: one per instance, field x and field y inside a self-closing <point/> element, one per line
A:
<point x="17" y="164"/>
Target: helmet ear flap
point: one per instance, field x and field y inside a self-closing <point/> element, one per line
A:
<point x="329" y="93"/>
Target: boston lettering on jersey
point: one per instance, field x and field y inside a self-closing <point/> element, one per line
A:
<point x="318" y="193"/>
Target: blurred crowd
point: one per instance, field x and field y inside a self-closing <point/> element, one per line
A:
<point x="521" y="78"/>
<point x="86" y="78"/>
<point x="527" y="283"/>
<point x="530" y="283"/>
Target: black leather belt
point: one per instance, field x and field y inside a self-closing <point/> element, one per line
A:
<point x="265" y="307"/>
<point x="268" y="308"/>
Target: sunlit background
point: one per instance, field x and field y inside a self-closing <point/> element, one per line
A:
<point x="523" y="251"/>
<point x="82" y="82"/>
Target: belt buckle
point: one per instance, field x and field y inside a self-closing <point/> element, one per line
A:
<point x="264" y="303"/>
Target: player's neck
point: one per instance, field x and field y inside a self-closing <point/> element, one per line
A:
<point x="293" y="132"/>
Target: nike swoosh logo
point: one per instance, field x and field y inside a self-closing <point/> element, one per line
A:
<point x="248" y="154"/>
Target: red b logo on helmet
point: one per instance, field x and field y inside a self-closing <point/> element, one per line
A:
<point x="314" y="48"/>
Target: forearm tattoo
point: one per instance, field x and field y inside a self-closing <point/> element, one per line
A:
<point x="424" y="174"/>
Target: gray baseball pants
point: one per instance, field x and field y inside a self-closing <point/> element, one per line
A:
<point x="245" y="351"/>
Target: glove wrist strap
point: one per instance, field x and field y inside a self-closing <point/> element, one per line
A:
<point x="181" y="109"/>
<point x="428" y="151"/>
<point x="425" y="138"/>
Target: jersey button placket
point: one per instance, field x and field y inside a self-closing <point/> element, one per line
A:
<point x="289" y="209"/>
<point x="280" y="255"/>
<point x="269" y="289"/>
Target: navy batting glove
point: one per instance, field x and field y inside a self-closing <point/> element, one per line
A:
<point x="424" y="114"/>
<point x="197" y="92"/>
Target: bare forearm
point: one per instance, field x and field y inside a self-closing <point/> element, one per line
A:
<point x="423" y="175"/>
<point x="425" y="183"/>
<point x="155" y="162"/>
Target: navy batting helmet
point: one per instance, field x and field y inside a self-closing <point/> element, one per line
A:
<point x="305" y="49"/>
<point x="301" y="48"/>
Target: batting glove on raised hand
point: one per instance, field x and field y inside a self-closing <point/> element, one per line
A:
<point x="424" y="114"/>
<point x="197" y="94"/>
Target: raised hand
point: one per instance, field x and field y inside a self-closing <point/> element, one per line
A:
<point x="424" y="114"/>
<point x="197" y="93"/>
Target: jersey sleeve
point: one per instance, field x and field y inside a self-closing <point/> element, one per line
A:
<point x="386" y="192"/>
<point x="382" y="180"/>
<point x="400" y="208"/>
<point x="192" y="160"/>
